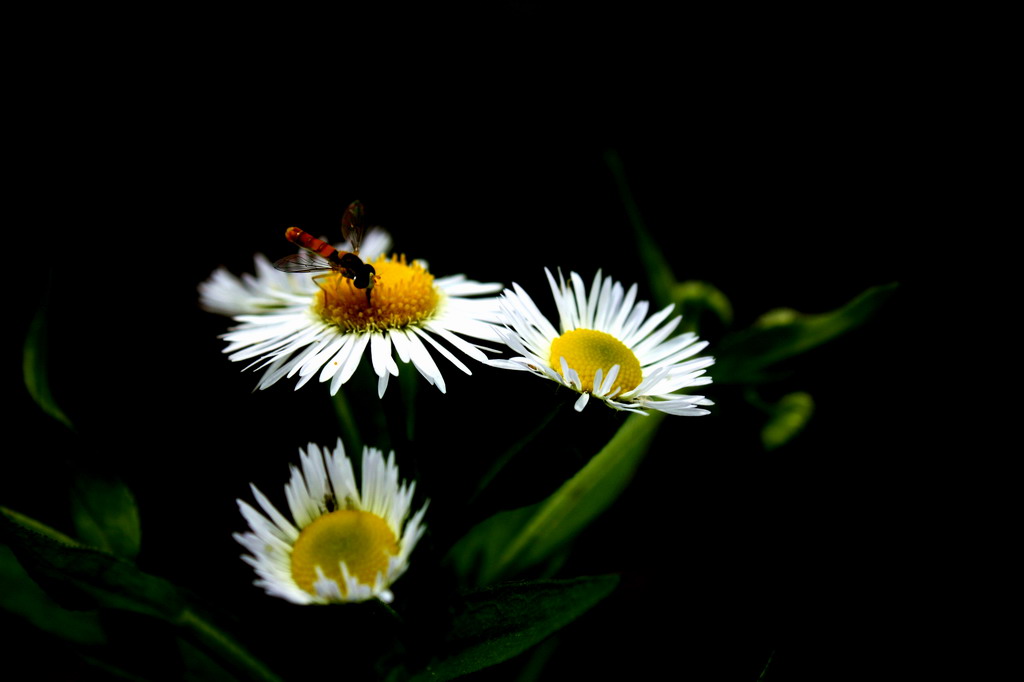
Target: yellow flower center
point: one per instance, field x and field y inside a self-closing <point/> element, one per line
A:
<point x="364" y="541"/>
<point x="403" y="294"/>
<point x="588" y="350"/>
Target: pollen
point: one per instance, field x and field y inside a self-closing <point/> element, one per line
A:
<point x="363" y="541"/>
<point x="402" y="295"/>
<point x="588" y="350"/>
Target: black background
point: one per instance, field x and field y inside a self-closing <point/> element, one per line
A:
<point x="792" y="182"/>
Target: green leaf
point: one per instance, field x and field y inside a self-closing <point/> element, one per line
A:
<point x="20" y="595"/>
<point x="476" y="554"/>
<point x="105" y="515"/>
<point x="789" y="416"/>
<point x="782" y="334"/>
<point x="580" y="499"/>
<point x="14" y="524"/>
<point x="35" y="369"/>
<point x="79" y="577"/>
<point x="503" y="621"/>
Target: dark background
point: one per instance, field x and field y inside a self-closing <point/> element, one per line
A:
<point x="797" y="182"/>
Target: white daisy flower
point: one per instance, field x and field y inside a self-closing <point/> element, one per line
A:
<point x="605" y="348"/>
<point x="295" y="324"/>
<point x="346" y="543"/>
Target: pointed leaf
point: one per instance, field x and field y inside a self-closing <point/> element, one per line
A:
<point x="500" y="622"/>
<point x="81" y="577"/>
<point x="782" y="334"/>
<point x="20" y="595"/>
<point x="105" y="515"/>
<point x="580" y="499"/>
<point x="474" y="556"/>
<point x="35" y="369"/>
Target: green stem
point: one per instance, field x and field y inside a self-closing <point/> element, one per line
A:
<point x="225" y="649"/>
<point x="504" y="458"/>
<point x="765" y="669"/>
<point x="347" y="421"/>
<point x="409" y="382"/>
<point x="391" y="612"/>
<point x="658" y="271"/>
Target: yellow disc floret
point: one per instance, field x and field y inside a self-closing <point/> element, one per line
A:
<point x="589" y="350"/>
<point x="403" y="294"/>
<point x="362" y="540"/>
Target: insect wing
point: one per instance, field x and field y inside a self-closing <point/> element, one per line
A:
<point x="303" y="262"/>
<point x="352" y="225"/>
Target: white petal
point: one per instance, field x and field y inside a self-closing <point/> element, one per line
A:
<point x="334" y="365"/>
<point x="563" y="302"/>
<point x="615" y="325"/>
<point x="380" y="352"/>
<point x="442" y="350"/>
<point x="424" y="363"/>
<point x="284" y="527"/>
<point x="613" y="374"/>
<point x="309" y="368"/>
<point x="461" y="344"/>
<point x="459" y="286"/>
<point x="522" y="303"/>
<point x="351" y="362"/>
<point x="401" y="343"/>
<point x="581" y="402"/>
<point x="570" y="376"/>
<point x="648" y="326"/>
<point x="580" y="308"/>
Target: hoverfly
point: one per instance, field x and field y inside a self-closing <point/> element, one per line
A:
<point x="325" y="258"/>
